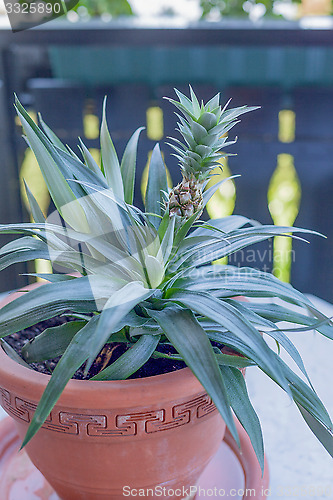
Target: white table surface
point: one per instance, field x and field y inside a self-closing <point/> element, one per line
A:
<point x="299" y="466"/>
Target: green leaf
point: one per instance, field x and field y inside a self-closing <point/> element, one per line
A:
<point x="233" y="361"/>
<point x="305" y="396"/>
<point x="25" y="243"/>
<point x="276" y="230"/>
<point x="323" y="434"/>
<point x="199" y="133"/>
<point x="155" y="270"/>
<point x="74" y="259"/>
<point x="52" y="229"/>
<point x="117" y="306"/>
<point x="205" y="252"/>
<point x="52" y="277"/>
<point x="31" y="229"/>
<point x="71" y="153"/>
<point x="13" y="354"/>
<point x="82" y="173"/>
<point x="244" y="410"/>
<point x="214" y="103"/>
<point x="157" y="184"/>
<point x="167" y="241"/>
<point x="36" y="211"/>
<point x="274" y="332"/>
<point x="110" y="159"/>
<point x="75" y="355"/>
<point x="231" y="114"/>
<point x="225" y="224"/>
<point x="208" y="120"/>
<point x="51" y="135"/>
<point x="184" y="229"/>
<point x="195" y="103"/>
<point x="192" y="343"/>
<point x="245" y="281"/>
<point x="90" y="162"/>
<point x="164" y="224"/>
<point x="132" y="319"/>
<point x="24" y="256"/>
<point x="299" y="390"/>
<point x="52" y="342"/>
<point x="163" y="355"/>
<point x="131" y="360"/>
<point x="128" y="166"/>
<point x="61" y="193"/>
<point x="262" y="284"/>
<point x="222" y="359"/>
<point x="276" y="313"/>
<point x="227" y="316"/>
<point x="150" y="328"/>
<point x="208" y="193"/>
<point x="185" y="105"/>
<point x="46" y="302"/>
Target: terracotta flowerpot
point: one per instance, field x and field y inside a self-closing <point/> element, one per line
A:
<point x="102" y="437"/>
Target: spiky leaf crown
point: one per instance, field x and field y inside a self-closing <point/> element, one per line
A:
<point x="204" y="128"/>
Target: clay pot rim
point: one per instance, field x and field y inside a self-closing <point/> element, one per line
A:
<point x="166" y="385"/>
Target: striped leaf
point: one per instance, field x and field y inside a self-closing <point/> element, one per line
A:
<point x="191" y="341"/>
<point x="110" y="159"/>
<point x="157" y="184"/>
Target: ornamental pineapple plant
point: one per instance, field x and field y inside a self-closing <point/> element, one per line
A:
<point x="145" y="279"/>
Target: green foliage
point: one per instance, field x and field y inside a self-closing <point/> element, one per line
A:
<point x="222" y="7"/>
<point x="146" y="278"/>
<point x="236" y="8"/>
<point x="115" y="8"/>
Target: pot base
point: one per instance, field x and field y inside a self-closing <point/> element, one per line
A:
<point x="228" y="470"/>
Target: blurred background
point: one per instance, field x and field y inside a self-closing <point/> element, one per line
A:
<point x="275" y="54"/>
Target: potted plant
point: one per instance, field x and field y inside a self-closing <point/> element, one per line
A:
<point x="138" y="294"/>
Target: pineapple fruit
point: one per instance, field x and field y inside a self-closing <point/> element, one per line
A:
<point x="186" y="198"/>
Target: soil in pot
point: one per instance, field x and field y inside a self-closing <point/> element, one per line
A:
<point x="107" y="355"/>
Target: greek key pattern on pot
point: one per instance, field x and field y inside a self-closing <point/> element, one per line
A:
<point x="111" y="423"/>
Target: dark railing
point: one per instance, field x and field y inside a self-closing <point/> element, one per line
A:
<point x="62" y="69"/>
